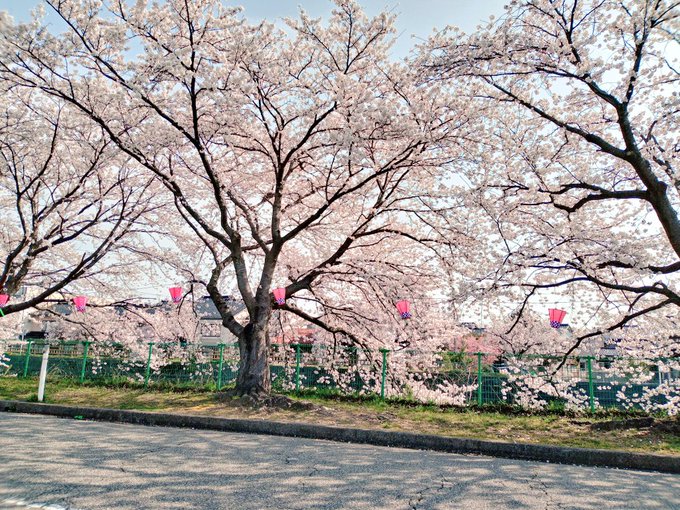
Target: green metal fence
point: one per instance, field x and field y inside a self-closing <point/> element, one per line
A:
<point x="456" y="378"/>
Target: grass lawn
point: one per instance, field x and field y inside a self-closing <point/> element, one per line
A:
<point x="544" y="428"/>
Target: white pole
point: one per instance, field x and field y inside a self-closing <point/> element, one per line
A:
<point x="43" y="373"/>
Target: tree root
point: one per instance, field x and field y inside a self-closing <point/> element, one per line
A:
<point x="261" y="400"/>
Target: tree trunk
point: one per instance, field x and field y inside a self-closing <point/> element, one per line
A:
<point x="254" y="378"/>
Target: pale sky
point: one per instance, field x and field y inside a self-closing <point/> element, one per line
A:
<point x="415" y="22"/>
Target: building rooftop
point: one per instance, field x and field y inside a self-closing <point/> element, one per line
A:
<point x="206" y="309"/>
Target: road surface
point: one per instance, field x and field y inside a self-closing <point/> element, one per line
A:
<point x="80" y="465"/>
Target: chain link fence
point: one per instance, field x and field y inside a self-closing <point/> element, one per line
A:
<point x="453" y="378"/>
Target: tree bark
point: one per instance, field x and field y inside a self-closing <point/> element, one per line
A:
<point x="254" y="378"/>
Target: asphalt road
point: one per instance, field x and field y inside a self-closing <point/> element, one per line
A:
<point x="78" y="465"/>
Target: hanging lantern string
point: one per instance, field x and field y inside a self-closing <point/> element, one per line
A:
<point x="175" y="294"/>
<point x="80" y="303"/>
<point x="4" y="298"/>
<point x="280" y="295"/>
<point x="403" y="307"/>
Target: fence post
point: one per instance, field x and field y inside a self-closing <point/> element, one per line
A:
<point x="384" y="373"/>
<point x="297" y="367"/>
<point x="148" y="366"/>
<point x="43" y="372"/>
<point x="86" y="345"/>
<point x="28" y="358"/>
<point x="219" y="369"/>
<point x="591" y="388"/>
<point x="480" y="380"/>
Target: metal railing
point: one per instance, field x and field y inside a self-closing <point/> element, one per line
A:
<point x="456" y="378"/>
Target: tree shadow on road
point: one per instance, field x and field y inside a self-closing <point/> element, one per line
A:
<point x="87" y="465"/>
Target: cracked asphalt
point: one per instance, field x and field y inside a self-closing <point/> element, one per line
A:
<point x="80" y="465"/>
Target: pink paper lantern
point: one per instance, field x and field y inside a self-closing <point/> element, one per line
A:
<point x="4" y="298"/>
<point x="279" y="295"/>
<point x="403" y="307"/>
<point x="176" y="294"/>
<point x="80" y="302"/>
<point x="556" y="317"/>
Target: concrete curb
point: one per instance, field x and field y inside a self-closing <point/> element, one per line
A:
<point x="541" y="453"/>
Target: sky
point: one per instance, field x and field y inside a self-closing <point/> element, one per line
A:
<point x="415" y="22"/>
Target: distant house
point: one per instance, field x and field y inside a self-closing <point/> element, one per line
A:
<point x="211" y="331"/>
<point x="297" y="336"/>
<point x="472" y="326"/>
<point x="477" y="340"/>
<point x="38" y="324"/>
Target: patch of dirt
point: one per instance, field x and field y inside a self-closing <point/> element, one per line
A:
<point x="269" y="403"/>
<point x="581" y="423"/>
<point x="649" y="424"/>
<point x="667" y="426"/>
<point x="324" y="411"/>
<point x="631" y="423"/>
<point x="285" y="403"/>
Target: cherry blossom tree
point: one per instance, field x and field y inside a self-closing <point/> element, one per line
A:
<point x="301" y="158"/>
<point x="124" y="330"/>
<point x="70" y="206"/>
<point x="127" y="323"/>
<point x="575" y="167"/>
